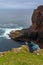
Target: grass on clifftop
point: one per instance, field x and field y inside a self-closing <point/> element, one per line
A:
<point x="21" y="58"/>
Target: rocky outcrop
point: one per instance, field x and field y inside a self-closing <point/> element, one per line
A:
<point x="34" y="32"/>
<point x="37" y="18"/>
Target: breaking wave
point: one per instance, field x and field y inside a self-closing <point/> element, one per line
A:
<point x="5" y="31"/>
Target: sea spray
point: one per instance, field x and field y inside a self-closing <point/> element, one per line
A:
<point x="7" y="31"/>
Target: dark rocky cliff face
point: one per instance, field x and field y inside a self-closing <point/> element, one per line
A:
<point x="37" y="18"/>
<point x="35" y="32"/>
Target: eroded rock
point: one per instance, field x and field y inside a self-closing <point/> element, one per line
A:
<point x="34" y="32"/>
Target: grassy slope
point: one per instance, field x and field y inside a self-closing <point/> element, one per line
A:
<point x="21" y="58"/>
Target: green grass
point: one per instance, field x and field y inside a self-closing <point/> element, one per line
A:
<point x="21" y="58"/>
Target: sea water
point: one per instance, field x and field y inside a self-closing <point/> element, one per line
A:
<point x="12" y="20"/>
<point x="5" y="41"/>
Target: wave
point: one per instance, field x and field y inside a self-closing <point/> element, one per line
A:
<point x="6" y="31"/>
<point x="10" y="25"/>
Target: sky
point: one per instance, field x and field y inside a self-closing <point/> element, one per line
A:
<point x="26" y="4"/>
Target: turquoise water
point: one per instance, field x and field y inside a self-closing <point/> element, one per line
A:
<point x="33" y="46"/>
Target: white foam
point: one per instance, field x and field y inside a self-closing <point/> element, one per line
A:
<point x="8" y="30"/>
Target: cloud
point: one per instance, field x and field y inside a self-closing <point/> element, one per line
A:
<point x="17" y="4"/>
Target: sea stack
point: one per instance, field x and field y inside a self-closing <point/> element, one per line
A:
<point x="34" y="32"/>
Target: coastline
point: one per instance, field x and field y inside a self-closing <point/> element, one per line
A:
<point x="34" y="32"/>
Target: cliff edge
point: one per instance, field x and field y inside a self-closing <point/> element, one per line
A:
<point x="33" y="33"/>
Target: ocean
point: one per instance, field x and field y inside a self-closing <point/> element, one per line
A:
<point x="13" y="19"/>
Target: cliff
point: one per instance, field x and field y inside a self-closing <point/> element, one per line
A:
<point x="33" y="33"/>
